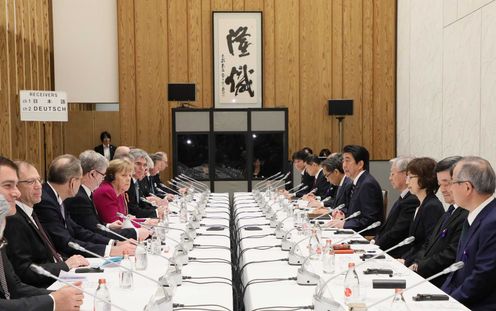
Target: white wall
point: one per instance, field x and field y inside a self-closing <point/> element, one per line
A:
<point x="85" y="50"/>
<point x="446" y="96"/>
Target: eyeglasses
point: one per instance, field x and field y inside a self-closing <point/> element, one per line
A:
<point x="454" y="181"/>
<point x="101" y="174"/>
<point x="327" y="175"/>
<point x="31" y="181"/>
<point x="408" y="177"/>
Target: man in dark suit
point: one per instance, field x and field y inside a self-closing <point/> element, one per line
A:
<point x="81" y="207"/>
<point x="64" y="179"/>
<point x="473" y="184"/>
<point x="397" y="225"/>
<point x="365" y="194"/>
<point x="440" y="250"/>
<point x="320" y="186"/>
<point x="14" y="294"/>
<point x="106" y="149"/>
<point x="28" y="241"/>
<point x="299" y="158"/>
<point x="136" y="205"/>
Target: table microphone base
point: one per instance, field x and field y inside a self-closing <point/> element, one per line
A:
<point x="286" y="245"/>
<point x="295" y="259"/>
<point x="306" y="277"/>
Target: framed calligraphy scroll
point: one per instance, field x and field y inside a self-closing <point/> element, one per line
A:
<point x="237" y="59"/>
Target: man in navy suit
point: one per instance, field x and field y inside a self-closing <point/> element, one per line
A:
<point x="473" y="184"/>
<point x="365" y="194"/>
<point x="319" y="185"/>
<point x="340" y="183"/>
<point x="14" y="294"/>
<point x="64" y="180"/>
<point x="440" y="250"/>
<point x="397" y="225"/>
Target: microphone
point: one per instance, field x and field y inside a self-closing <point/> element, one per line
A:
<point x="103" y="228"/>
<point x="148" y="201"/>
<point x="319" y="291"/>
<point x="296" y="187"/>
<point x="169" y="188"/>
<point x="454" y="267"/>
<point x="287" y="245"/>
<point x="164" y="291"/>
<point x="267" y="179"/>
<point x="184" y="176"/>
<point x="339" y="207"/>
<point x="41" y="271"/>
<point x="301" y="189"/>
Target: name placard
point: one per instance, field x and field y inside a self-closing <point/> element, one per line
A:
<point x="43" y="106"/>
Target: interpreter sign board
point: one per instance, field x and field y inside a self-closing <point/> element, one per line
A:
<point x="43" y="106"/>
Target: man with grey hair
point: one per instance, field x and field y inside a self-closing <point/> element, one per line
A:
<point x="397" y="225"/>
<point x="64" y="179"/>
<point x="81" y="207"/>
<point x="473" y="184"/>
<point x="138" y="203"/>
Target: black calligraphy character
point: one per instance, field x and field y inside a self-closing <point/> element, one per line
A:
<point x="239" y="80"/>
<point x="239" y="36"/>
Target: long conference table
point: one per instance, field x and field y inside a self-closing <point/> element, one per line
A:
<point x="265" y="280"/>
<point x="207" y="278"/>
<point x="268" y="272"/>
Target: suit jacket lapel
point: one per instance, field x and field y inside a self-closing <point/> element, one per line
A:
<point x="30" y="222"/>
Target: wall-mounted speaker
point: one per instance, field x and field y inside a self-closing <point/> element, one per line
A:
<point x="340" y="107"/>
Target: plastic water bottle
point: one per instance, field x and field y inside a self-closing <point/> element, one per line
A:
<point x="126" y="277"/>
<point x="328" y="258"/>
<point x="141" y="257"/>
<point x="102" y="292"/>
<point x="351" y="284"/>
<point x="314" y="247"/>
<point x="183" y="212"/>
<point x="399" y="303"/>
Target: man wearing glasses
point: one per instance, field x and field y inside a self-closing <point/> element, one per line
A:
<point x="28" y="241"/>
<point x="81" y="207"/>
<point x="473" y="186"/>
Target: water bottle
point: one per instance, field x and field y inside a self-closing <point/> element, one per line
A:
<point x="141" y="257"/>
<point x="102" y="292"/>
<point x="328" y="258"/>
<point x="314" y="247"/>
<point x="126" y="277"/>
<point x="351" y="285"/>
<point x="183" y="212"/>
<point x="399" y="303"/>
<point x="156" y="245"/>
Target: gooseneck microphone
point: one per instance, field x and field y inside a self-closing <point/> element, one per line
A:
<point x="454" y="267"/>
<point x="41" y="271"/>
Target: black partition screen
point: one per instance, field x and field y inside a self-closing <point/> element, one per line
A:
<point x="223" y="145"/>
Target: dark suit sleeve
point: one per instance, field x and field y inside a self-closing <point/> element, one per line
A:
<point x="53" y="223"/>
<point x="20" y="251"/>
<point x="480" y="281"/>
<point x="446" y="256"/>
<point x="81" y="213"/>
<point x="399" y="230"/>
<point x="23" y="297"/>
<point x="429" y="216"/>
<point x="369" y="201"/>
<point x="139" y="209"/>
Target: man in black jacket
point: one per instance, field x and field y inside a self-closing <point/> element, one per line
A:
<point x="28" y="241"/>
<point x="15" y="295"/>
<point x="397" y="225"/>
<point x="440" y="250"/>
<point x="365" y="194"/>
<point x="64" y="179"/>
<point x="81" y="207"/>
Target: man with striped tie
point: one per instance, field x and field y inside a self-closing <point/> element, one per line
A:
<point x="28" y="241"/>
<point x="14" y="294"/>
